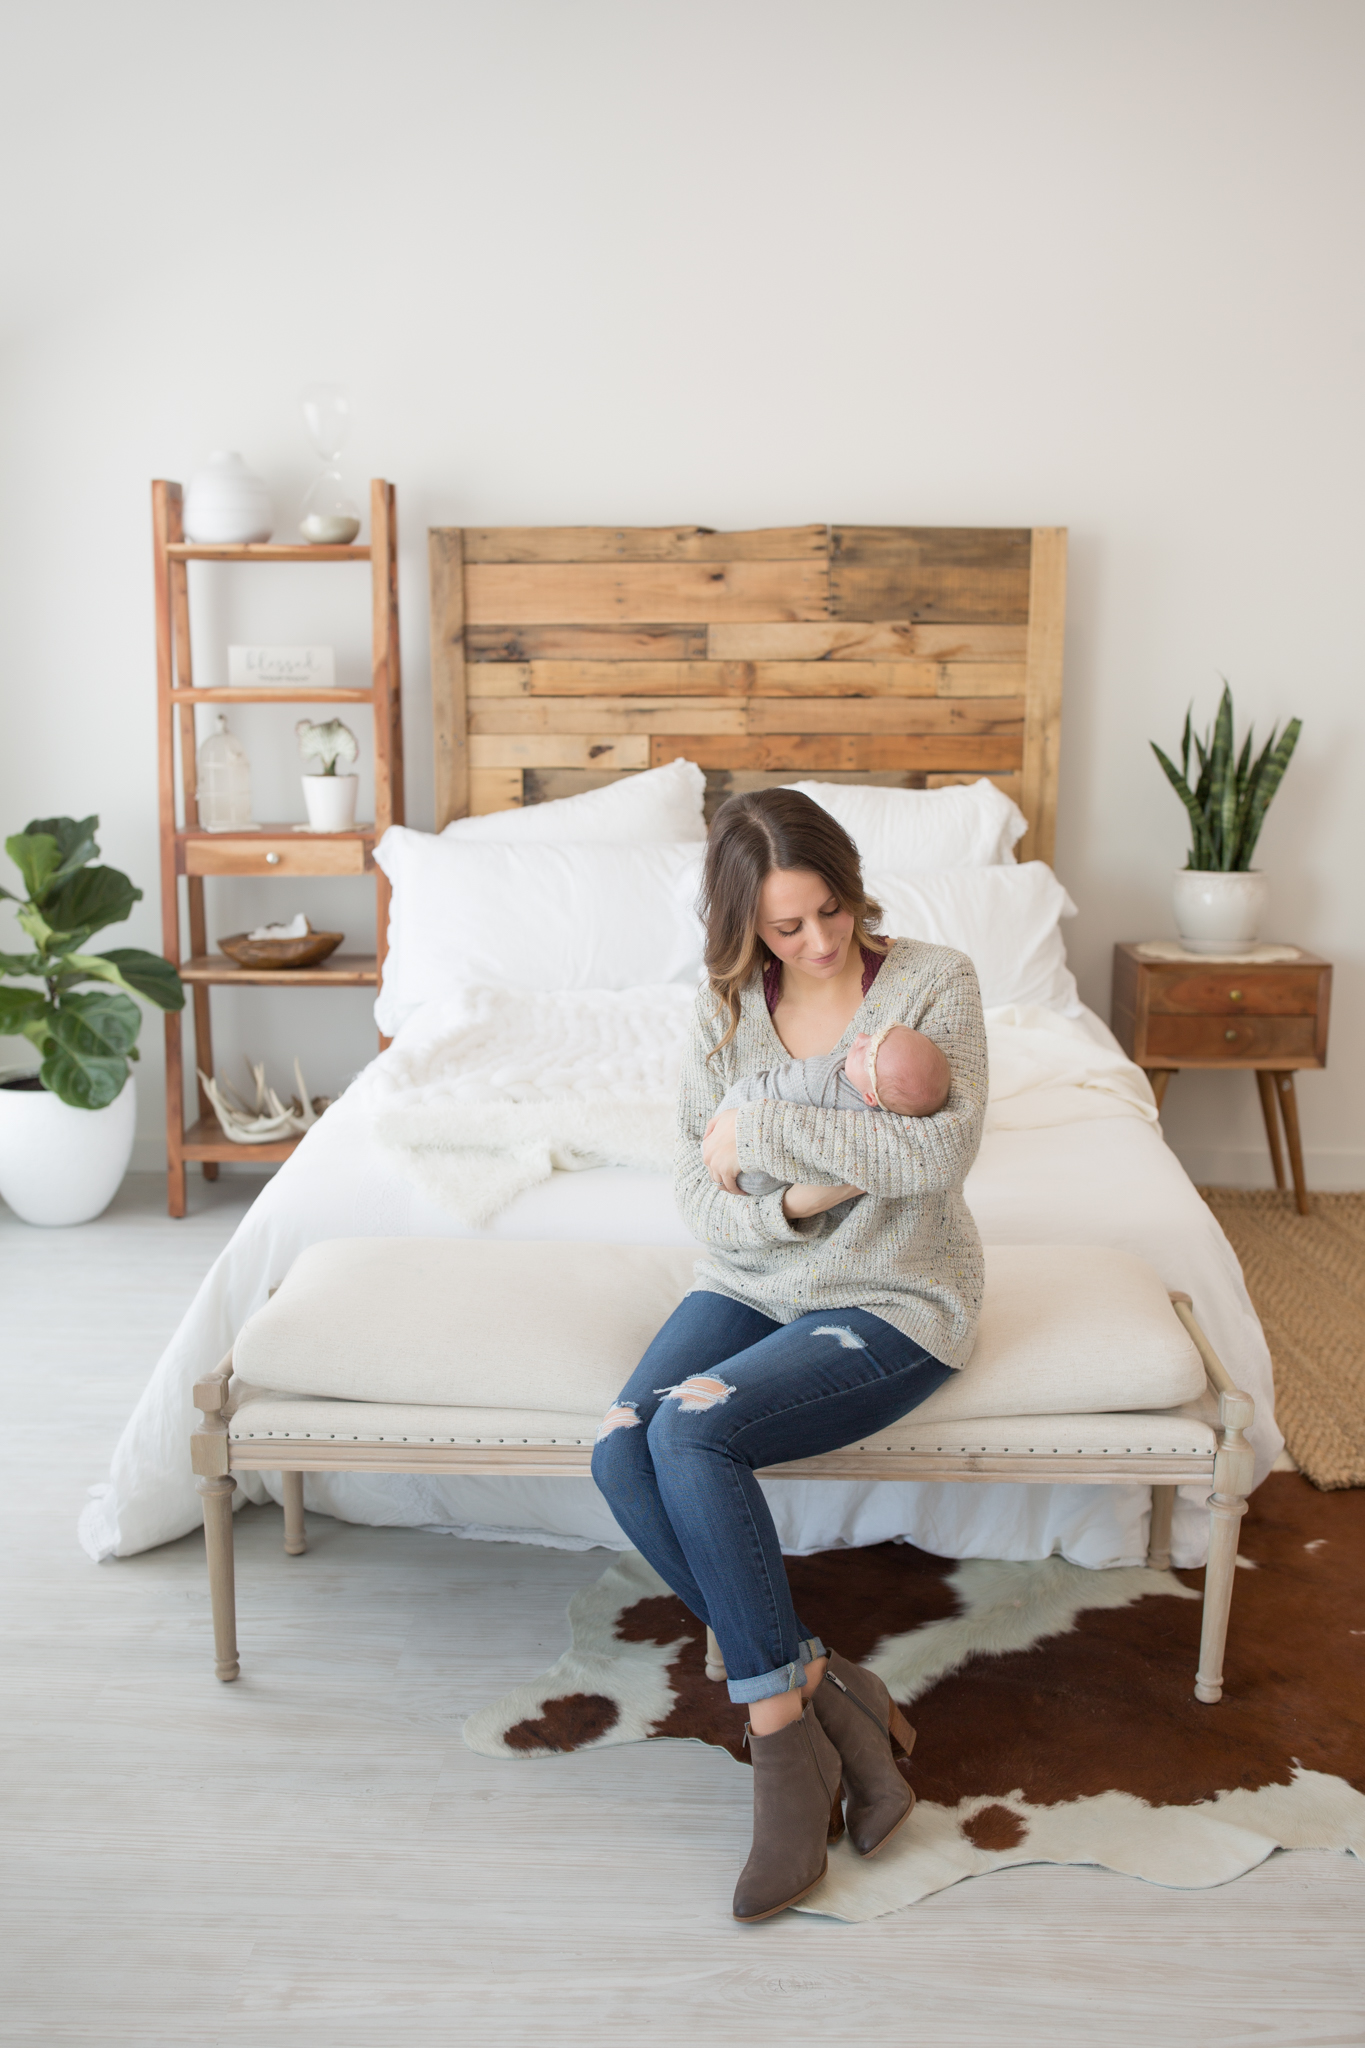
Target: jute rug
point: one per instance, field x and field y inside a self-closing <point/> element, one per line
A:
<point x="1306" y="1276"/>
<point x="1055" y="1706"/>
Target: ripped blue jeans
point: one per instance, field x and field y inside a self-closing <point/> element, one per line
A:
<point x="723" y="1391"/>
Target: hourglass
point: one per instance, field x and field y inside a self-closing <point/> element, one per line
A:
<point x="328" y="516"/>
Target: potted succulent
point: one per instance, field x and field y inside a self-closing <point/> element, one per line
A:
<point x="66" y="1128"/>
<point x="1219" y="897"/>
<point x="330" y="797"/>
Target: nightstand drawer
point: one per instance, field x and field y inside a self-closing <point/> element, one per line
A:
<point x="308" y="854"/>
<point x="1285" y="992"/>
<point x="1182" y="1041"/>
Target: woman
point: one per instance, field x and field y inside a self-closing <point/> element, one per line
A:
<point x="821" y="1314"/>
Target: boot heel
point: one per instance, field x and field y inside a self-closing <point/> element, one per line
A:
<point x="836" y="1815"/>
<point x="901" y="1733"/>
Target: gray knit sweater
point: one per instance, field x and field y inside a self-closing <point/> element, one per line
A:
<point x="909" y="1250"/>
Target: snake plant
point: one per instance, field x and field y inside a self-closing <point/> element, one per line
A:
<point x="86" y="1039"/>
<point x="1228" y="803"/>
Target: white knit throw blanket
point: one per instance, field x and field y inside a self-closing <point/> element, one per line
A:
<point x="488" y="1092"/>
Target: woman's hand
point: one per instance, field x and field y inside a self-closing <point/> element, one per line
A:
<point x="809" y="1198"/>
<point x="719" y="1151"/>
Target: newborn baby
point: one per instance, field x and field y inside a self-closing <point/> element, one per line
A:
<point x="897" y="1069"/>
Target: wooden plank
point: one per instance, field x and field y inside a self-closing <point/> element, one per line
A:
<point x="343" y="970"/>
<point x="494" y="789"/>
<point x="1047" y="633"/>
<point x="445" y="558"/>
<point x="588" y="643"/>
<point x="955" y="574"/>
<point x="642" y="544"/>
<point x="597" y="592"/>
<point x="867" y="640"/>
<point x="385" y="669"/>
<point x="746" y="678"/>
<point x="545" y="785"/>
<point x="805" y="754"/>
<point x="746" y="715"/>
<point x="607" y="715"/>
<point x="551" y="750"/>
<point x="923" y="715"/>
<point x="263" y="551"/>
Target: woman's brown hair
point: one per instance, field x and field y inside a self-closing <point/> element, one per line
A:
<point x="752" y="835"/>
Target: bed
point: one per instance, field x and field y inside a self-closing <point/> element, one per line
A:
<point x="570" y="662"/>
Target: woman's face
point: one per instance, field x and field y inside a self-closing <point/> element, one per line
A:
<point x="802" y="923"/>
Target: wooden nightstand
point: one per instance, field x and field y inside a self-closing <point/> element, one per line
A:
<point x="1170" y="1014"/>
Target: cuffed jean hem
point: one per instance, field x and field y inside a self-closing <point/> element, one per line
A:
<point x="786" y="1678"/>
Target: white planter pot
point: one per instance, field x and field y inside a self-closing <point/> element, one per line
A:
<point x="331" y="801"/>
<point x="1215" y="912"/>
<point x="59" y="1164"/>
<point x="225" y="503"/>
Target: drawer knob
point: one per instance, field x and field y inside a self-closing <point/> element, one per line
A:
<point x="1230" y="1034"/>
<point x="272" y="860"/>
<point x="1234" y="995"/>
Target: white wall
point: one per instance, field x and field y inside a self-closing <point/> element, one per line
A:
<point x="1014" y="261"/>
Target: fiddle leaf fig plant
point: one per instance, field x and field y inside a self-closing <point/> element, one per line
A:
<point x="1228" y="803"/>
<point x="328" y="743"/>
<point x="86" y="1037"/>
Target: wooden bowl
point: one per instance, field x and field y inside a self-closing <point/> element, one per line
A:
<point x="281" y="952"/>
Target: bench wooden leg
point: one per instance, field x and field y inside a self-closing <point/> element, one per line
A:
<point x="295" y="1540"/>
<point x="217" y="1498"/>
<point x="1233" y="1471"/>
<point x="715" y="1663"/>
<point x="1159" y="1538"/>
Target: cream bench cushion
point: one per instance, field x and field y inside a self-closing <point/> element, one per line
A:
<point x="556" y="1329"/>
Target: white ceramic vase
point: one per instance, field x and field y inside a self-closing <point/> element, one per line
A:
<point x="226" y="504"/>
<point x="59" y="1164"/>
<point x="1217" y="912"/>
<point x="331" y="801"/>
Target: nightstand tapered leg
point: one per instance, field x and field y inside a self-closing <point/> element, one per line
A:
<point x="1159" y="1076"/>
<point x="1289" y="1109"/>
<point x="1265" y="1082"/>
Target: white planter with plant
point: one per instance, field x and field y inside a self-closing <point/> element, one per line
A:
<point x="330" y="797"/>
<point x="66" y="1130"/>
<point x="1220" y="898"/>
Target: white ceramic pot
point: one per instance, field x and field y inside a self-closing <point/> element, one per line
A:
<point x="59" y="1164"/>
<point x="331" y="801"/>
<point x="226" y="503"/>
<point x="1216" y="911"/>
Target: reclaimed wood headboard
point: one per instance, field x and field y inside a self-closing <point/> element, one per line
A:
<point x="566" y="656"/>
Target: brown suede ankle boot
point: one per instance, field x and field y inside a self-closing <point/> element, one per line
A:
<point x="796" y="1813"/>
<point x="865" y="1725"/>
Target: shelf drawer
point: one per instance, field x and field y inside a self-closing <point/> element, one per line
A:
<point x="1183" y="1041"/>
<point x="296" y="854"/>
<point x="1285" y="992"/>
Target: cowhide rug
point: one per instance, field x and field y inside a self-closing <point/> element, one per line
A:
<point x="1055" y="1706"/>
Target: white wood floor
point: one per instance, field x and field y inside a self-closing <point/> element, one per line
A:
<point x="311" y="1856"/>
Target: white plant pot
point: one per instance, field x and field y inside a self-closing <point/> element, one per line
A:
<point x="59" y="1164"/>
<point x="226" y="504"/>
<point x="1216" y="912"/>
<point x="331" y="801"/>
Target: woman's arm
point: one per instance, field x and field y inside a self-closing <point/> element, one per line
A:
<point x="886" y="1155"/>
<point x="710" y="1211"/>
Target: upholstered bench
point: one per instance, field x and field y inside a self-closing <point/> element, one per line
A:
<point x="458" y="1356"/>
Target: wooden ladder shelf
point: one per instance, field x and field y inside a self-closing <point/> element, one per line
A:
<point x="190" y="854"/>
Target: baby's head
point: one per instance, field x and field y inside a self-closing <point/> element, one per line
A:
<point x="912" y="1074"/>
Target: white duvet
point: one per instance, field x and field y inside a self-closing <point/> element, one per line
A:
<point x="478" y="1108"/>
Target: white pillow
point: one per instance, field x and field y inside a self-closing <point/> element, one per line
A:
<point x="970" y="825"/>
<point x="662" y="804"/>
<point x="1005" y="919"/>
<point x="534" y="917"/>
